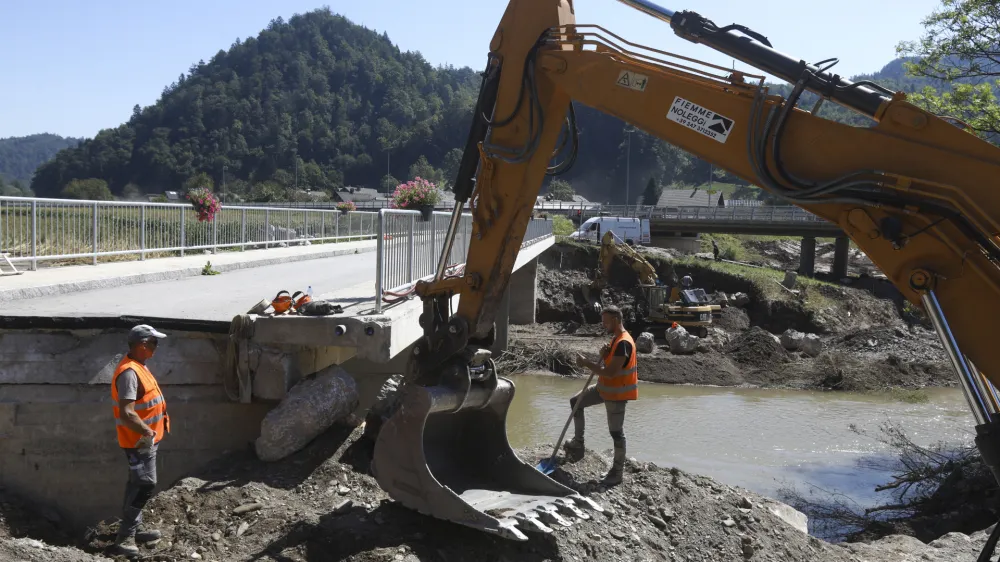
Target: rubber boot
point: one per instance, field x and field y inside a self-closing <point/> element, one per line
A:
<point x="574" y="449"/>
<point x="125" y="547"/>
<point x="615" y="475"/>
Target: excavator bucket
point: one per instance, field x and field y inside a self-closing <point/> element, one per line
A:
<point x="445" y="453"/>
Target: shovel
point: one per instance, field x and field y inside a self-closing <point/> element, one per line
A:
<point x="548" y="465"/>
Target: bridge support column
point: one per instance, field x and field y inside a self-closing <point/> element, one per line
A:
<point x="807" y="257"/>
<point x="841" y="257"/>
<point x="502" y="339"/>
<point x="521" y="289"/>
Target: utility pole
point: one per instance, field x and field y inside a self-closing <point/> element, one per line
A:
<point x="628" y="163"/>
<point x="224" y="168"/>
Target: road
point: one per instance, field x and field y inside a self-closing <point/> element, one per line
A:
<point x="216" y="297"/>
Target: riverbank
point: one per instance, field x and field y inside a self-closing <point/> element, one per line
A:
<point x="321" y="504"/>
<point x="868" y="343"/>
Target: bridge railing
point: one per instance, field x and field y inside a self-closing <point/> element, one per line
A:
<point x="409" y="248"/>
<point x="33" y="229"/>
<point x="789" y="213"/>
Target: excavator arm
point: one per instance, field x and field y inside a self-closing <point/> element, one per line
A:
<point x="915" y="192"/>
<point x="610" y="249"/>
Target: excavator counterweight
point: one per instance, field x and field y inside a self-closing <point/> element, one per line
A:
<point x="916" y="193"/>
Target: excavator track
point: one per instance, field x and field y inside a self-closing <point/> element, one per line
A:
<point x="445" y="453"/>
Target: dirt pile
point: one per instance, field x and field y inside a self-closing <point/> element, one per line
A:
<point x="321" y="504"/>
<point x="30" y="535"/>
<point x="756" y="349"/>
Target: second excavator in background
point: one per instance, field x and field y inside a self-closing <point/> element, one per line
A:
<point x="660" y="305"/>
<point x="915" y="191"/>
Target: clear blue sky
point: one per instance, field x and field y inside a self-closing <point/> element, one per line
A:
<point x="74" y="67"/>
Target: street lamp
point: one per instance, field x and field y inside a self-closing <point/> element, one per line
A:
<point x="628" y="160"/>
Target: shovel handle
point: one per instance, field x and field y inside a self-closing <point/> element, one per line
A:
<point x="570" y="419"/>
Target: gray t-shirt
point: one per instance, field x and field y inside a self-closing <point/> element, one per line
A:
<point x="128" y="385"/>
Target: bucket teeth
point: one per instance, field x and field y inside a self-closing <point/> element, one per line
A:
<point x="508" y="529"/>
<point x="531" y="523"/>
<point x="567" y="504"/>
<point x="587" y="502"/>
<point x="549" y="514"/>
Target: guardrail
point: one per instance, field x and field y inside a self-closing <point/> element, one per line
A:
<point x="33" y="230"/>
<point x="409" y="248"/>
<point x="788" y="213"/>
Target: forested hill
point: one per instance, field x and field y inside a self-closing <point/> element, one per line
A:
<point x="20" y="156"/>
<point x="319" y="102"/>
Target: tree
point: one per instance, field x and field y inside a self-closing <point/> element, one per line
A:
<point x="652" y="193"/>
<point x="561" y="190"/>
<point x="132" y="192"/>
<point x="91" y="189"/>
<point x="422" y="169"/>
<point x="198" y="180"/>
<point x="389" y="183"/>
<point x="959" y="50"/>
<point x="449" y="166"/>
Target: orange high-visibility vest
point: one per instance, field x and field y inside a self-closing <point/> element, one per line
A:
<point x="151" y="406"/>
<point x="623" y="385"/>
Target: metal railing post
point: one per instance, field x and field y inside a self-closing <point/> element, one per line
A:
<point x="34" y="236"/>
<point x="142" y="232"/>
<point x="95" y="232"/>
<point x="409" y="251"/>
<point x="243" y="230"/>
<point x="183" y="238"/>
<point x="380" y="257"/>
<point x="215" y="233"/>
<point x="267" y="228"/>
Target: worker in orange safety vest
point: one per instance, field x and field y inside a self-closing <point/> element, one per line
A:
<point x="617" y="383"/>
<point x="141" y="422"/>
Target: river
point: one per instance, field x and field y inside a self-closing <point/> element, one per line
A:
<point x="762" y="440"/>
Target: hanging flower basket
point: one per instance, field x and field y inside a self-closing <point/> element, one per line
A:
<point x="205" y="203"/>
<point x="347" y="207"/>
<point x="418" y="195"/>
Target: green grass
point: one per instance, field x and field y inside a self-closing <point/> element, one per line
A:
<point x="916" y="396"/>
<point x="768" y="282"/>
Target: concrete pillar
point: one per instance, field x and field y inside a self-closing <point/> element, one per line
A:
<point x="502" y="339"/>
<point x="522" y="287"/>
<point x="807" y="257"/>
<point x="841" y="257"/>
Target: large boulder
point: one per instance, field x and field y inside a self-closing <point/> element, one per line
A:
<point x="386" y="403"/>
<point x="681" y="341"/>
<point x="741" y="300"/>
<point x="645" y="343"/>
<point x="311" y="406"/>
<point x="812" y="345"/>
<point x="792" y="339"/>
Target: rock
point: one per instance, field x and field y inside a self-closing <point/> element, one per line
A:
<point x="660" y="523"/>
<point x="812" y="345"/>
<point x="311" y="406"/>
<point x="741" y="299"/>
<point x="792" y="339"/>
<point x="343" y="490"/>
<point x="728" y="522"/>
<point x="216" y="536"/>
<point x="247" y="508"/>
<point x="791" y="278"/>
<point x="747" y="544"/>
<point x="745" y="503"/>
<point x="645" y="343"/>
<point x="244" y="526"/>
<point x="343" y="506"/>
<point x="788" y="514"/>
<point x="386" y="402"/>
<point x="666" y="513"/>
<point x="682" y="342"/>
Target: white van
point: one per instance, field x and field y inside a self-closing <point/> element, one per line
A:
<point x="631" y="230"/>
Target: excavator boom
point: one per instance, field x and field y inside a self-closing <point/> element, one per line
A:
<point x="916" y="193"/>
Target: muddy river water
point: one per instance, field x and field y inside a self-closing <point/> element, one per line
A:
<point x="762" y="440"/>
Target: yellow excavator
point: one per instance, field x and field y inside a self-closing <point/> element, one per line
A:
<point x="915" y="191"/>
<point x="664" y="305"/>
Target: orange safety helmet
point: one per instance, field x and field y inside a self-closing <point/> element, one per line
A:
<point x="281" y="304"/>
<point x="298" y="301"/>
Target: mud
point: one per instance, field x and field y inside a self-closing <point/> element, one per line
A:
<point x="28" y="533"/>
<point x="321" y="504"/>
<point x="867" y="343"/>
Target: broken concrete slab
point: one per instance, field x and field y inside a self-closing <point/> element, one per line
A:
<point x="792" y="339"/>
<point x="681" y="341"/>
<point x="645" y="343"/>
<point x="812" y="345"/>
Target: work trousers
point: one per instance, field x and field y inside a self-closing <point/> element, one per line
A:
<point x="138" y="489"/>
<point x="616" y="418"/>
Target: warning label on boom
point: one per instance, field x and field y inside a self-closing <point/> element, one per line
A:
<point x="700" y="119"/>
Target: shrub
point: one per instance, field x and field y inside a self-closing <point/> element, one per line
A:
<point x="347" y="206"/>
